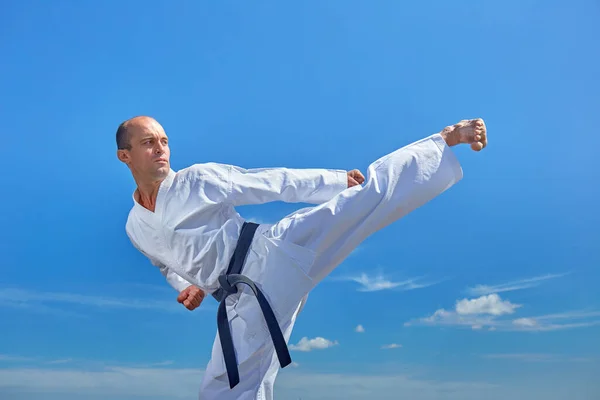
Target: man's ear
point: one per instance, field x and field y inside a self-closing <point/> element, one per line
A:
<point x="123" y="156"/>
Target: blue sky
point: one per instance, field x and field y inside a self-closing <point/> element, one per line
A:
<point x="490" y="291"/>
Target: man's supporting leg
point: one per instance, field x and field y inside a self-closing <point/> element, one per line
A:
<point x="395" y="185"/>
<point x="267" y="386"/>
<point x="257" y="374"/>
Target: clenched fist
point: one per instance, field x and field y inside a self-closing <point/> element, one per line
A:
<point x="355" y="178"/>
<point x="191" y="297"/>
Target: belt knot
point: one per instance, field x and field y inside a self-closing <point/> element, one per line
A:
<point x="226" y="286"/>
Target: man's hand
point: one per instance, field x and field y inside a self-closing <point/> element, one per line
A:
<point x="191" y="297"/>
<point x="355" y="178"/>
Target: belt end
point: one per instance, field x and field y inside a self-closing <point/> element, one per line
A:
<point x="233" y="381"/>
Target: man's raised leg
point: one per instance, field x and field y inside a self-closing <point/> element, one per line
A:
<point x="396" y="184"/>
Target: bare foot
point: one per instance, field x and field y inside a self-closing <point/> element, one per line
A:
<point x="468" y="131"/>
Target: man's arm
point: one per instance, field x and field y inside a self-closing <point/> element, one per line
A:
<point x="190" y="295"/>
<point x="263" y="185"/>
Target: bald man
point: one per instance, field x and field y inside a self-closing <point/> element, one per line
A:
<point x="186" y="224"/>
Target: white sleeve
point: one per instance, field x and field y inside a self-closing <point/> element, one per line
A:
<point x="263" y="185"/>
<point x="177" y="282"/>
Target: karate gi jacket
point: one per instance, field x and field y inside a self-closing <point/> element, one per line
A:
<point x="194" y="228"/>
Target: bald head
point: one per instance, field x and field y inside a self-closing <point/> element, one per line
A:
<point x="126" y="128"/>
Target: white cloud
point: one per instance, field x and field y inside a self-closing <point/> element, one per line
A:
<point x="379" y="282"/>
<point x="442" y="317"/>
<point x="318" y="343"/>
<point x="359" y="329"/>
<point x="475" y="313"/>
<point x="480" y="290"/>
<point x="391" y="346"/>
<point x="491" y="304"/>
<point x="484" y="312"/>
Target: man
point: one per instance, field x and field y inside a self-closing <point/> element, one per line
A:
<point x="186" y="224"/>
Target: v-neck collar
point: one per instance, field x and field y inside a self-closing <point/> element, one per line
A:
<point x="162" y="191"/>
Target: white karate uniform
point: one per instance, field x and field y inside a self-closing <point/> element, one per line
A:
<point x="194" y="229"/>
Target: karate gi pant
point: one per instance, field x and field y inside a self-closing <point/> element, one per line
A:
<point x="288" y="258"/>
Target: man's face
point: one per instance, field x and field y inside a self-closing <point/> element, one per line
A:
<point x="149" y="156"/>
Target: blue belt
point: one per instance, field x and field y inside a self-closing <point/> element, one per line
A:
<point x="228" y="283"/>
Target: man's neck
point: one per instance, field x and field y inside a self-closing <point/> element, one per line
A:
<point x="146" y="194"/>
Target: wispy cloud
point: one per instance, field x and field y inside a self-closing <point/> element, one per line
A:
<point x="17" y="359"/>
<point x="570" y="315"/>
<point x="359" y="329"/>
<point x="551" y="322"/>
<point x="38" y="308"/>
<point x="521" y="357"/>
<point x="391" y="346"/>
<point x="110" y="382"/>
<point x="37" y="361"/>
<point x="10" y="358"/>
<point x="318" y="343"/>
<point x="379" y="282"/>
<point x="481" y="290"/>
<point x="62" y="361"/>
<point x="144" y="382"/>
<point x="533" y="357"/>
<point x="39" y="301"/>
<point x="162" y="363"/>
